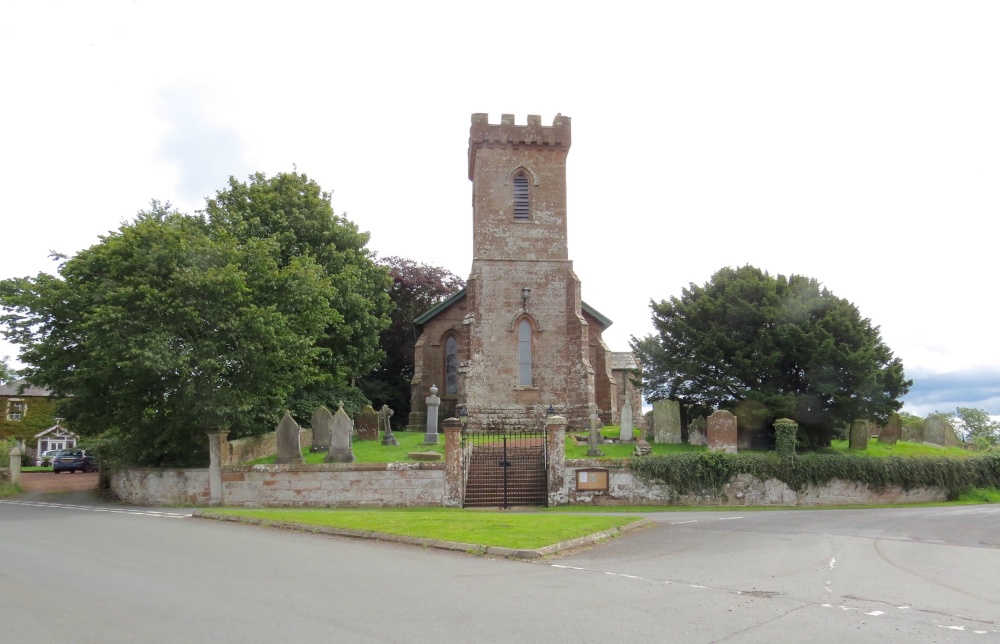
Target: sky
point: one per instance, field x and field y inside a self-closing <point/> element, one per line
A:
<point x="856" y="143"/>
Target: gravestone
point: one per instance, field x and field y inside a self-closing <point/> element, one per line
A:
<point x="433" y="402"/>
<point x="667" y="421"/>
<point x="935" y="430"/>
<point x="366" y="422"/>
<point x="913" y="434"/>
<point x="625" y="424"/>
<point x="322" y="426"/>
<point x="287" y="440"/>
<point x="384" y="415"/>
<point x="893" y="430"/>
<point x="859" y="434"/>
<point x="722" y="432"/>
<point x="649" y="425"/>
<point x="595" y="432"/>
<point x="340" y="442"/>
<point x="697" y="431"/>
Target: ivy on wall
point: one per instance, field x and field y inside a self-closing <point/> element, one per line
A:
<point x="40" y="415"/>
<point x="692" y="473"/>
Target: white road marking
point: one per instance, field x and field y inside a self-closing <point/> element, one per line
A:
<point x="875" y="613"/>
<point x="952" y="628"/>
<point x="87" y="508"/>
<point x="729" y="518"/>
<point x="832" y="561"/>
<point x="680" y="522"/>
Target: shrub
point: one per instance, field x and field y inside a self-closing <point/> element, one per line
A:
<point x="688" y="473"/>
<point x="784" y="436"/>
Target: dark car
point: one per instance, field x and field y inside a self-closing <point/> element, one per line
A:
<point x="71" y="460"/>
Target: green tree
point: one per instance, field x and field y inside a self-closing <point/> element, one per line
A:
<point x="7" y="373"/>
<point x="977" y="426"/>
<point x="416" y="288"/>
<point x="767" y="347"/>
<point x="168" y="328"/>
<point x="294" y="213"/>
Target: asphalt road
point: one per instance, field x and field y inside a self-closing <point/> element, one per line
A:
<point x="73" y="569"/>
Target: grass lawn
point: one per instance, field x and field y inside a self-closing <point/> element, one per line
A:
<point x="902" y="449"/>
<point x="375" y="451"/>
<point x="613" y="450"/>
<point x="503" y="529"/>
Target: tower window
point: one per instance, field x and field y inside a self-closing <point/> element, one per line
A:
<point x="524" y="354"/>
<point x="522" y="209"/>
<point x="451" y="365"/>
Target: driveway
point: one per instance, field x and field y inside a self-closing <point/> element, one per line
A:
<point x="44" y="482"/>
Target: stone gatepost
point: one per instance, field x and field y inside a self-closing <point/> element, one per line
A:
<point x="215" y="440"/>
<point x="431" y="436"/>
<point x="15" y="466"/>
<point x="555" y="428"/>
<point x="453" y="492"/>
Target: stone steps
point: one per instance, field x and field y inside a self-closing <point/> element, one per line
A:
<point x="526" y="481"/>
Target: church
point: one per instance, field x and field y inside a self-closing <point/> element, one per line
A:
<point x="518" y="341"/>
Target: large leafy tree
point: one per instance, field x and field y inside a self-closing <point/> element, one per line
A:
<point x="416" y="288"/>
<point x="168" y="328"/>
<point x="768" y="347"/>
<point x="294" y="213"/>
<point x="978" y="427"/>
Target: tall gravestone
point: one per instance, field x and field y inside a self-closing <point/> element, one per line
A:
<point x="288" y="442"/>
<point x="936" y="430"/>
<point x="650" y="431"/>
<point x="913" y="433"/>
<point x="433" y="402"/>
<point x="366" y="422"/>
<point x="667" y="421"/>
<point x="595" y="432"/>
<point x="893" y="430"/>
<point x="322" y="426"/>
<point x="625" y="424"/>
<point x="340" y="442"/>
<point x="388" y="438"/>
<point x="859" y="434"/>
<point x="722" y="432"/>
<point x="698" y="431"/>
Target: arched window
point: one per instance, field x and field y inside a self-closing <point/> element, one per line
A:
<point x="524" y="353"/>
<point x="522" y="204"/>
<point x="451" y="365"/>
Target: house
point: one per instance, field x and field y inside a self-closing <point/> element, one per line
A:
<point x="25" y="410"/>
<point x="55" y="437"/>
<point x="519" y="340"/>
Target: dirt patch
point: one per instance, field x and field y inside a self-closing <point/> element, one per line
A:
<point x="63" y="482"/>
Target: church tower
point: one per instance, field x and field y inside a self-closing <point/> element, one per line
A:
<point x="518" y="339"/>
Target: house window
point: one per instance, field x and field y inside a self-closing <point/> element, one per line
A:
<point x="524" y="354"/>
<point x="522" y="202"/>
<point x="451" y="365"/>
<point x="16" y="410"/>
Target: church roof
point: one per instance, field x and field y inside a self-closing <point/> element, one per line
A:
<point x="444" y="304"/>
<point x="623" y="360"/>
<point x="440" y="306"/>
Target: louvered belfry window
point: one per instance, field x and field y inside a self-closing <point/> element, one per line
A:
<point x="522" y="209"/>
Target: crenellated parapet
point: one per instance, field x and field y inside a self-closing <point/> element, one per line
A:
<point x="482" y="134"/>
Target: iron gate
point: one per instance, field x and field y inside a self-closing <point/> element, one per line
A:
<point x="505" y="468"/>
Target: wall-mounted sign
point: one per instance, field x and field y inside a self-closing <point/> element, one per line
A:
<point x="592" y="479"/>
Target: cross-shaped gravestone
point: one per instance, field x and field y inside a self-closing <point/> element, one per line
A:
<point x="384" y="415"/>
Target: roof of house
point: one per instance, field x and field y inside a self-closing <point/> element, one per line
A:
<point x="444" y="304"/>
<point x="57" y="429"/>
<point x="14" y="389"/>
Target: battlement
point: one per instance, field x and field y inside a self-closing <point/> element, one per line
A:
<point x="482" y="133"/>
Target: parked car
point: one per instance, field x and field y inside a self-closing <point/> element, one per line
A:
<point x="71" y="460"/>
<point x="45" y="460"/>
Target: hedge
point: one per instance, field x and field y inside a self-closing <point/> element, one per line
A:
<point x="689" y="473"/>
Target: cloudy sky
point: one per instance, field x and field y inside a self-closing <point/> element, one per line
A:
<point x="853" y="142"/>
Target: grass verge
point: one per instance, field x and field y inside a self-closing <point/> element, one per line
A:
<point x="9" y="489"/>
<point x="902" y="449"/>
<point x="499" y="529"/>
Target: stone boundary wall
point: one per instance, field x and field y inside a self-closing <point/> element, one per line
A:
<point x="150" y="486"/>
<point x="343" y="485"/>
<point x="242" y="450"/>
<point x="321" y="485"/>
<point x="746" y="490"/>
